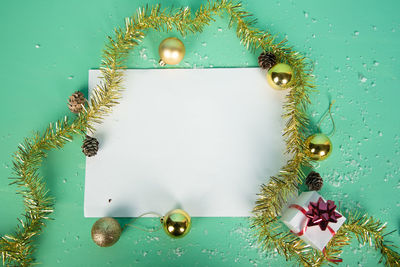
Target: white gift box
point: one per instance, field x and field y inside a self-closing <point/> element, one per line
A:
<point x="296" y="220"/>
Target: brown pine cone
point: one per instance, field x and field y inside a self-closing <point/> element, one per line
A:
<point x="76" y="102"/>
<point x="314" y="181"/>
<point x="266" y="60"/>
<point x="90" y="146"/>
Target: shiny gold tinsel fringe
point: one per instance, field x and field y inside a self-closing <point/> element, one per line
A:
<point x="17" y="248"/>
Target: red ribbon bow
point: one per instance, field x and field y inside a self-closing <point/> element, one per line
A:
<point x="319" y="213"/>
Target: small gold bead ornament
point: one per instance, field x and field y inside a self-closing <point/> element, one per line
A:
<point x="318" y="146"/>
<point x="176" y="223"/>
<point x="171" y="51"/>
<point x="280" y="76"/>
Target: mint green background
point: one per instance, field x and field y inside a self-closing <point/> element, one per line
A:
<point x="47" y="48"/>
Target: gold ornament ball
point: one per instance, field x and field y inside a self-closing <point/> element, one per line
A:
<point x="280" y="76"/>
<point x="106" y="232"/>
<point x="176" y="223"/>
<point x="171" y="51"/>
<point x="318" y="146"/>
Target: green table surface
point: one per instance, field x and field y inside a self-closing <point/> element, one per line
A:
<point x="47" y="48"/>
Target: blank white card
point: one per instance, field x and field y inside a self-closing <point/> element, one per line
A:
<point x="203" y="140"/>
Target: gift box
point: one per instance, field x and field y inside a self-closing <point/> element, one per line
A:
<point x="313" y="219"/>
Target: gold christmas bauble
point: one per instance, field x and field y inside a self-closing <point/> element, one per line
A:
<point x="171" y="51"/>
<point x="318" y="146"/>
<point x="176" y="223"/>
<point x="280" y="76"/>
<point x="106" y="232"/>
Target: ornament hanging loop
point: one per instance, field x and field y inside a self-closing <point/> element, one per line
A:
<point x="176" y="223"/>
<point x="141" y="228"/>
<point x="332" y="120"/>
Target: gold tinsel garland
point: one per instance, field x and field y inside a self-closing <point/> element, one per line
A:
<point x="17" y="248"/>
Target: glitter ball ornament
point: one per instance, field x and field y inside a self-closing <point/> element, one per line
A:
<point x="280" y="76"/>
<point x="106" y="232"/>
<point x="318" y="146"/>
<point x="314" y="181"/>
<point x="176" y="223"/>
<point x="266" y="60"/>
<point x="76" y="102"/>
<point x="90" y="146"/>
<point x="171" y="51"/>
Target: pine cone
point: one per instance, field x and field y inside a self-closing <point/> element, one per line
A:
<point x="90" y="146"/>
<point x="314" y="181"/>
<point x="266" y="60"/>
<point x="75" y="102"/>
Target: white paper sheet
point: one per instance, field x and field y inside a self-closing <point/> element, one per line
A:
<point x="199" y="139"/>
